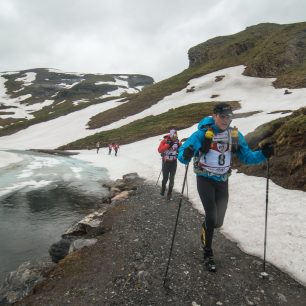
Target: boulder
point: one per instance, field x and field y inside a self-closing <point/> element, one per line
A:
<point x="60" y="249"/>
<point x="87" y="225"/>
<point x="21" y="282"/>
<point x="81" y="243"/>
<point x="121" y="196"/>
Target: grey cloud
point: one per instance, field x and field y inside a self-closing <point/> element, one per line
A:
<point x="122" y="36"/>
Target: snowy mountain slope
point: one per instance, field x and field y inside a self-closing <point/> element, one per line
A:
<point x="37" y="95"/>
<point x="254" y="94"/>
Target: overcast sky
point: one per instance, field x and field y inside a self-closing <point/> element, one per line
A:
<point x="125" y="36"/>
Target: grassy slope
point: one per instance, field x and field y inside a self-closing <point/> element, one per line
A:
<point x="178" y="118"/>
<point x="45" y="114"/>
<point x="259" y="48"/>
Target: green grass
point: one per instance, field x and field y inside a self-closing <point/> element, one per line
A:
<point x="178" y="118"/>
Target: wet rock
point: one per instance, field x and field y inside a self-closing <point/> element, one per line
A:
<point x="114" y="191"/>
<point x="121" y="196"/>
<point x="132" y="180"/>
<point x="87" y="225"/>
<point x="129" y="181"/>
<point x="131" y="176"/>
<point x="120" y="184"/>
<point x="81" y="243"/>
<point x="21" y="282"/>
<point x="59" y="249"/>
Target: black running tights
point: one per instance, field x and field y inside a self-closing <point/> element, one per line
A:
<point x="214" y="197"/>
<point x="169" y="168"/>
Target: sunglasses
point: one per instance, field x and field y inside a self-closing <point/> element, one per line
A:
<point x="229" y="116"/>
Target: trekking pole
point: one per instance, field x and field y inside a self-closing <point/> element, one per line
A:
<point x="159" y="176"/>
<point x="174" y="232"/>
<point x="264" y="273"/>
<point x="161" y="170"/>
<point x="187" y="185"/>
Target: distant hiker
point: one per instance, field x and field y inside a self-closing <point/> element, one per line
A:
<point x="211" y="148"/>
<point x="98" y="146"/>
<point x="110" y="146"/>
<point x="169" y="148"/>
<point x="116" y="148"/>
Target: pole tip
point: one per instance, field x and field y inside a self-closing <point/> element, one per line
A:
<point x="264" y="275"/>
<point x="166" y="283"/>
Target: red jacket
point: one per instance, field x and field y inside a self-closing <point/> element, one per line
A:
<point x="169" y="151"/>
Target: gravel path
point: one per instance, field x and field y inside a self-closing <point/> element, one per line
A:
<point x="127" y="265"/>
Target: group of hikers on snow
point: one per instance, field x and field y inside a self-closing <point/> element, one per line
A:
<point x="111" y="146"/>
<point x="211" y="148"/>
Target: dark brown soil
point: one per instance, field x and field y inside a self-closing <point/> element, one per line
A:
<point x="127" y="265"/>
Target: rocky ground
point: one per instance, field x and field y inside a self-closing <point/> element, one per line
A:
<point x="127" y="265"/>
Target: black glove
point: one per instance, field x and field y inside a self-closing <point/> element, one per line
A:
<point x="267" y="150"/>
<point x="170" y="142"/>
<point x="188" y="153"/>
<point x="206" y="145"/>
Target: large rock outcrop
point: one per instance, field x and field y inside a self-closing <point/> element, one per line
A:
<point x="287" y="167"/>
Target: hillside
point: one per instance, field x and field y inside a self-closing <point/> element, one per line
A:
<point x="37" y="95"/>
<point x="267" y="50"/>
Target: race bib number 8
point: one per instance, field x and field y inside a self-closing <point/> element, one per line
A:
<point x="221" y="159"/>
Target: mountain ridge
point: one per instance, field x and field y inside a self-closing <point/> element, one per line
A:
<point x="66" y="92"/>
<point x="267" y="50"/>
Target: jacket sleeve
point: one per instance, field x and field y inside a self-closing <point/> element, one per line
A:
<point x="195" y="140"/>
<point x="246" y="155"/>
<point x="163" y="146"/>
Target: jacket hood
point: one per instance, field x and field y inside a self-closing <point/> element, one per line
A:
<point x="206" y="121"/>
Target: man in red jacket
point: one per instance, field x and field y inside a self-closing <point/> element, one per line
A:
<point x="168" y="149"/>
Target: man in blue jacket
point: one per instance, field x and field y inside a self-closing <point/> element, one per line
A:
<point x="211" y="148"/>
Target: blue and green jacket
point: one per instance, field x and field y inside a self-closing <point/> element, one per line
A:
<point x="245" y="154"/>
